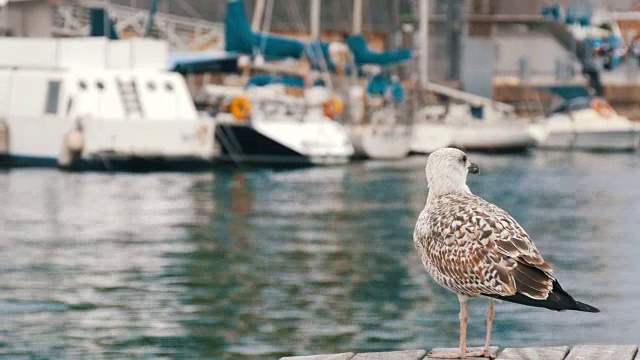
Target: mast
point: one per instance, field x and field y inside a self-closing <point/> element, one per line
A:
<point x="107" y="20"/>
<point x="315" y="20"/>
<point x="357" y="17"/>
<point x="423" y="56"/>
<point x="315" y="38"/>
<point x="152" y="13"/>
<point x="258" y="13"/>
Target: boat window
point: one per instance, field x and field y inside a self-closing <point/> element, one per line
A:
<point x="53" y="97"/>
<point x="82" y="85"/>
<point x="151" y="85"/>
<point x="477" y="112"/>
<point x="168" y="86"/>
<point x="100" y="85"/>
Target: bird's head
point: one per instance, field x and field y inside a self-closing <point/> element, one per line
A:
<point x="447" y="170"/>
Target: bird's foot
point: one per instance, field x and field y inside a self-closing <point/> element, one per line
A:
<point x="447" y="356"/>
<point x="486" y="353"/>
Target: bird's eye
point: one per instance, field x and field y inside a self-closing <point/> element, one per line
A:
<point x="464" y="158"/>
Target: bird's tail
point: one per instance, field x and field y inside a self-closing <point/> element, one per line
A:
<point x="570" y="301"/>
<point x="558" y="300"/>
<point x="580" y="306"/>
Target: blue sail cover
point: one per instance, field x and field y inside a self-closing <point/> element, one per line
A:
<point x="568" y="92"/>
<point x="199" y="62"/>
<point x="573" y="97"/>
<point x="286" y="80"/>
<point x="363" y="55"/>
<point x="239" y="38"/>
<point x="382" y="85"/>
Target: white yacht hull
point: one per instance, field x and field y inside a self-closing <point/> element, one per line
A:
<point x="283" y="141"/>
<point x="44" y="142"/>
<point x="498" y="137"/>
<point x="381" y="141"/>
<point x="494" y="137"/>
<point x="428" y="137"/>
<point x="587" y="131"/>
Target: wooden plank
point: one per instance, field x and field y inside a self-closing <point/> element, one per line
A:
<point x="602" y="352"/>
<point x="392" y="355"/>
<point x="342" y="356"/>
<point x="534" y="353"/>
<point x="493" y="350"/>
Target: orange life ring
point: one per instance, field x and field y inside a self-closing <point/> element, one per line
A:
<point x="240" y="107"/>
<point x="602" y="107"/>
<point x="333" y="107"/>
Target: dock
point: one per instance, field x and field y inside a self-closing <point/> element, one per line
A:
<point x="577" y="352"/>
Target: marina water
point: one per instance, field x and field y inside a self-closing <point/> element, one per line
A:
<point x="259" y="263"/>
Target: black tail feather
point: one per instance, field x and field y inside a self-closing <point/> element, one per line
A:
<point x="558" y="300"/>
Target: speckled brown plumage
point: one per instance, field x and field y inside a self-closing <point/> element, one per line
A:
<point x="474" y="248"/>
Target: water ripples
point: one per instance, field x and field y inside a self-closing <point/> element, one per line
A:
<point x="257" y="263"/>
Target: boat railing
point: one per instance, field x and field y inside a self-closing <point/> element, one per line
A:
<point x="529" y="109"/>
<point x="273" y="103"/>
<point x="182" y="33"/>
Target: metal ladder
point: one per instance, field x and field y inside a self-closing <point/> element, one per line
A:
<point x="130" y="99"/>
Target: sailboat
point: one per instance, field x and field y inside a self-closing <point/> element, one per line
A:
<point x="263" y="121"/>
<point x="473" y="124"/>
<point x="466" y="121"/>
<point x="377" y="126"/>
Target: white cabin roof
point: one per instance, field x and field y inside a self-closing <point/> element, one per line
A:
<point x="84" y="53"/>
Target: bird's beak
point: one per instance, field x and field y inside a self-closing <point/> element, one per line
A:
<point x="473" y="168"/>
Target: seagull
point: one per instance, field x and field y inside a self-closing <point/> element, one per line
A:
<point x="476" y="249"/>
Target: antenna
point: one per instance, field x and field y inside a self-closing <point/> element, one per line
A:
<point x="423" y="63"/>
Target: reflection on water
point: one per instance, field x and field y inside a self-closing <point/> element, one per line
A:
<point x="261" y="263"/>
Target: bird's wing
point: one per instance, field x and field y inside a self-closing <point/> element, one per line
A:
<point x="511" y="239"/>
<point x="480" y="249"/>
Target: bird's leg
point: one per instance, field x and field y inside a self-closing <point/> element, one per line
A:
<point x="490" y="315"/>
<point x="486" y="353"/>
<point x="487" y="342"/>
<point x="464" y="316"/>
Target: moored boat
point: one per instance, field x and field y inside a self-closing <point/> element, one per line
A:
<point x="581" y="121"/>
<point x="276" y="127"/>
<point x="93" y="103"/>
<point x="478" y="124"/>
<point x="376" y="124"/>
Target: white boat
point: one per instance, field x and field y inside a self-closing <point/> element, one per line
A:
<point x="384" y="135"/>
<point x="377" y="127"/>
<point x="92" y="103"/>
<point x="382" y="142"/>
<point x="581" y="121"/>
<point x="277" y="128"/>
<point x="479" y="124"/>
<point x="278" y="117"/>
